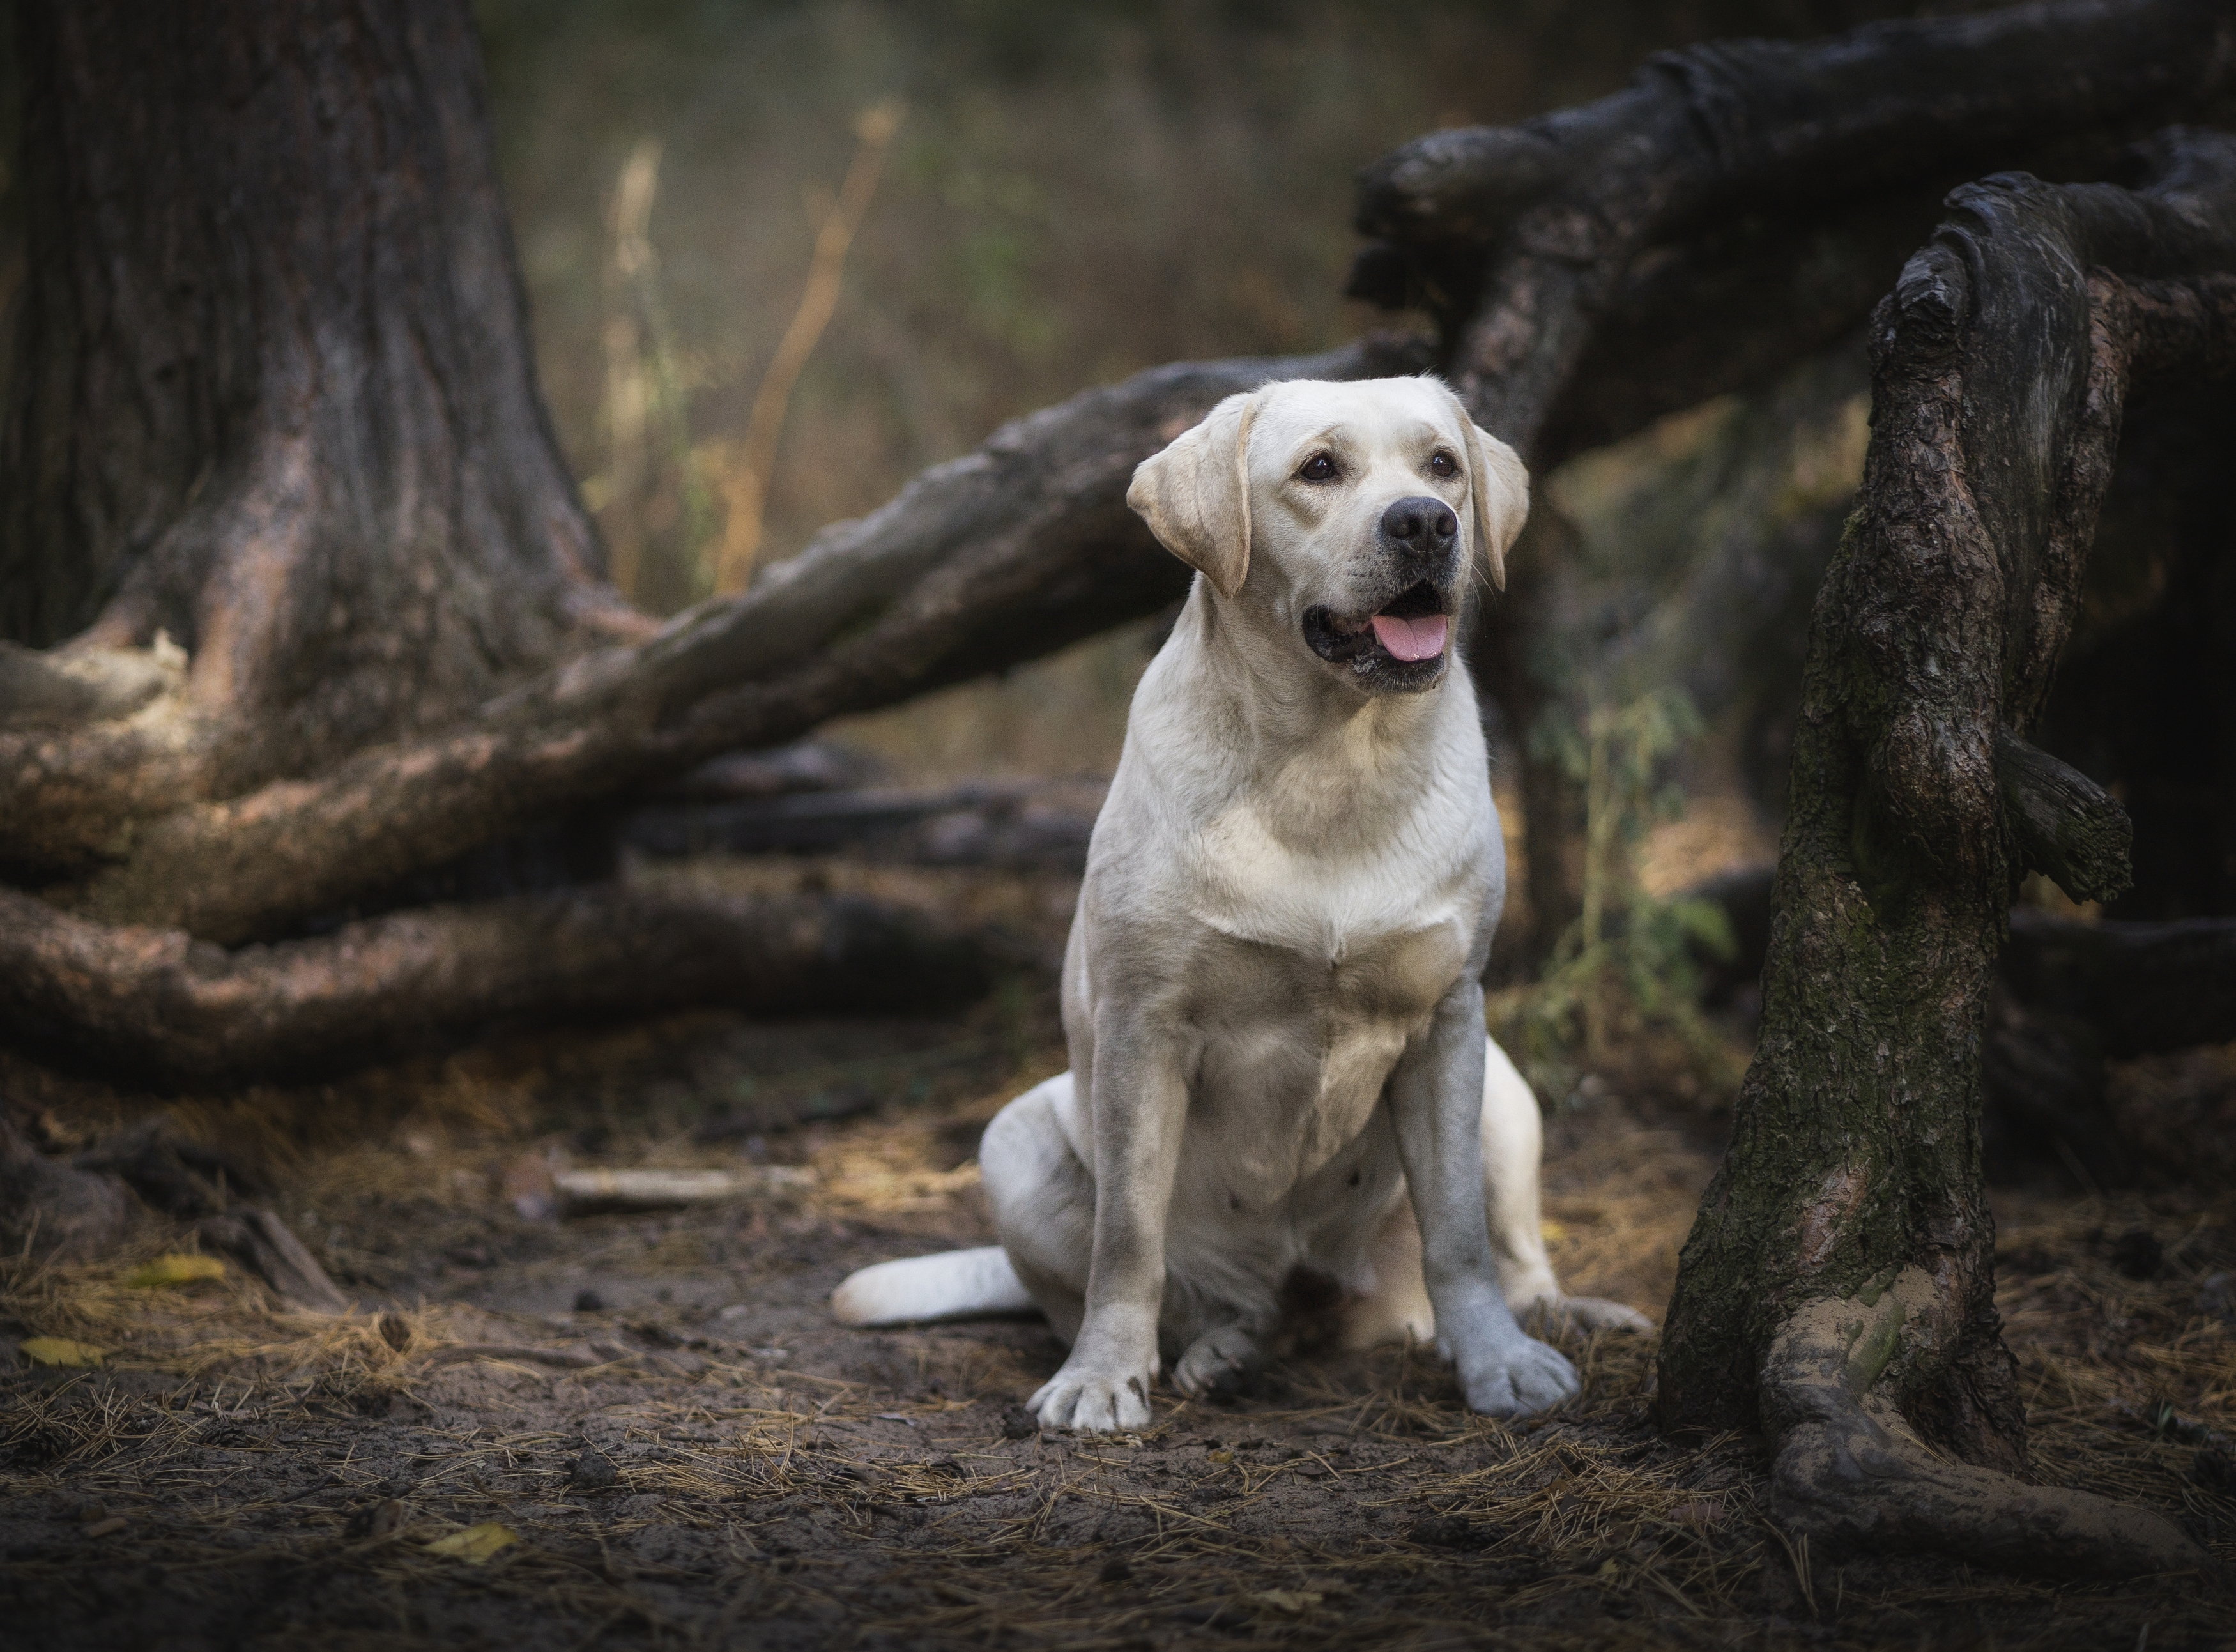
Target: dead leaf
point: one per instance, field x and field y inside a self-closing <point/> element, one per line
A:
<point x="108" y="1527"/>
<point x="476" y="1545"/>
<point x="1295" y="1602"/>
<point x="60" y="1350"/>
<point x="177" y="1268"/>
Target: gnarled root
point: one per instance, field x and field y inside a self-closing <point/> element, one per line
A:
<point x="1851" y="1474"/>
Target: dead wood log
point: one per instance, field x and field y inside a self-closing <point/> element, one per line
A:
<point x="1006" y="554"/>
<point x="279" y="784"/>
<point x="1022" y="826"/>
<point x="161" y="1005"/>
<point x="1597" y="266"/>
<point x="1838" y="1287"/>
<point x="2144" y="988"/>
<point x="264" y="1245"/>
<point x="1566" y="204"/>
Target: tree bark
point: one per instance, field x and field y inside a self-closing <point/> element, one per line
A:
<point x="1548" y="251"/>
<point x="1570" y="201"/>
<point x="274" y="396"/>
<point x="338" y="618"/>
<point x="1006" y="554"/>
<point x="1023" y="825"/>
<point x="161" y="1006"/>
<point x="1837" y="1286"/>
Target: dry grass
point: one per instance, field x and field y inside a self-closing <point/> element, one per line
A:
<point x="774" y="1480"/>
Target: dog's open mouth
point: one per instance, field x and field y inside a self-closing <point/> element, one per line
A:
<point x="1408" y="631"/>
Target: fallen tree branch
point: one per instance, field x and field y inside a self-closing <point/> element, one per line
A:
<point x="262" y="1243"/>
<point x="1005" y="555"/>
<point x="160" y="1004"/>
<point x="2144" y="988"/>
<point x="1023" y="825"/>
<point x="1568" y="203"/>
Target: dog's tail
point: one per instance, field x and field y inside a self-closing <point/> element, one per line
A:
<point x="953" y="1285"/>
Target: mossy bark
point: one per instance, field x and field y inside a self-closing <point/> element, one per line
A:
<point x="2002" y="365"/>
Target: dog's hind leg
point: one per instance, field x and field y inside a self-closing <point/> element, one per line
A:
<point x="1043" y="1202"/>
<point x="1041" y="1198"/>
<point x="1513" y="1148"/>
<point x="1223" y="1360"/>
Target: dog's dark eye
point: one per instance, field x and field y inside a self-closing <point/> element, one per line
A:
<point x="1319" y="468"/>
<point x="1442" y="465"/>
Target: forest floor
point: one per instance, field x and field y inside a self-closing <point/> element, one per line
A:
<point x="646" y="1429"/>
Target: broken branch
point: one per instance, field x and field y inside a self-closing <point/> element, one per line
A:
<point x="161" y="1004"/>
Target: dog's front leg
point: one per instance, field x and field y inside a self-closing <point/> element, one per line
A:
<point x="1139" y="1097"/>
<point x="1435" y="1103"/>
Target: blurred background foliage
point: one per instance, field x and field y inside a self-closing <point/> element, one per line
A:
<point x="1073" y="193"/>
<point x="1045" y="198"/>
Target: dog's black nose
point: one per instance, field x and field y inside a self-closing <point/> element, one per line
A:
<point x="1421" y="523"/>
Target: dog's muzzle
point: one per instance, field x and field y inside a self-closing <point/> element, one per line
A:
<point x="1400" y="642"/>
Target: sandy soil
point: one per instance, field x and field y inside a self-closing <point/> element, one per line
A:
<point x="662" y="1438"/>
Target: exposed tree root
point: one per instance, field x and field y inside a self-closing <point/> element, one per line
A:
<point x="263" y="1244"/>
<point x="159" y="1005"/>
<point x="1838" y="1285"/>
<point x="1852" y="1473"/>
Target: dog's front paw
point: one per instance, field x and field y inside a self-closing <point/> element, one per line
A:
<point x="1524" y="1376"/>
<point x="1094" y="1402"/>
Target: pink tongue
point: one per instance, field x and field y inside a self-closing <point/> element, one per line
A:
<point x="1418" y="639"/>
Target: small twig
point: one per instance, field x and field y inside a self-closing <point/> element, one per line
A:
<point x="745" y="485"/>
<point x="576" y="1358"/>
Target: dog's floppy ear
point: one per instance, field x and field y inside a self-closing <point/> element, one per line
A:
<point x="1195" y="495"/>
<point x="1499" y="485"/>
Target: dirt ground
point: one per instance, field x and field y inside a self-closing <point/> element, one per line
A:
<point x="645" y="1430"/>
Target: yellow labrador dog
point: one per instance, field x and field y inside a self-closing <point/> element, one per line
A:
<point x="1271" y="991"/>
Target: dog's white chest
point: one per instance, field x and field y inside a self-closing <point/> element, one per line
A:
<point x="1249" y="883"/>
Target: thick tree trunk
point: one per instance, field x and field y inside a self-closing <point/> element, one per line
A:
<point x="1838" y="1286"/>
<point x="275" y="397"/>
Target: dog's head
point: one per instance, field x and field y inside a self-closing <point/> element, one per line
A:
<point x="1348" y="515"/>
